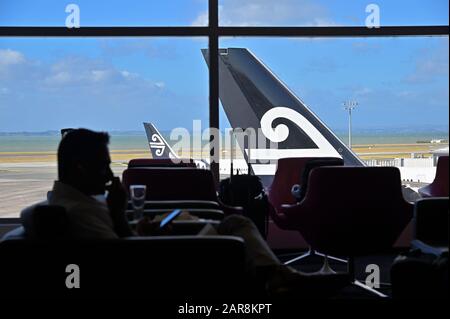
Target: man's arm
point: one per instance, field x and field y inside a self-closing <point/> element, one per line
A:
<point x="117" y="203"/>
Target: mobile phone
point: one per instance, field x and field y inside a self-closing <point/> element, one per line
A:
<point x="170" y="218"/>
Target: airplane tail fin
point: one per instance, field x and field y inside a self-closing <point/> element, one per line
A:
<point x="254" y="97"/>
<point x="158" y="145"/>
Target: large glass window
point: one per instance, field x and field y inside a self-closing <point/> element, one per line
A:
<point x="116" y="83"/>
<point x="332" y="12"/>
<point x="399" y="87"/>
<point x="104" y="12"/>
<point x="105" y="84"/>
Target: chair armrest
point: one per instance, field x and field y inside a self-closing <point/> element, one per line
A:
<point x="206" y="213"/>
<point x="16" y="233"/>
<point x="279" y="217"/>
<point x="182" y="204"/>
<point x="428" y="249"/>
<point x="230" y="210"/>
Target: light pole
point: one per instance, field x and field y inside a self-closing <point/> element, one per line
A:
<point x="350" y="106"/>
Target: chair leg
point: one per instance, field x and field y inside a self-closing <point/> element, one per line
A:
<point x="332" y="257"/>
<point x="312" y="252"/>
<point x="355" y="282"/>
<point x="309" y="253"/>
<point x="369" y="289"/>
<point x="326" y="268"/>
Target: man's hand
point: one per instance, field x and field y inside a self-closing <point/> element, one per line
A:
<point x="117" y="197"/>
<point x="117" y="203"/>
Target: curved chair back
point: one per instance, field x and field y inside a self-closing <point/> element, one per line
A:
<point x="439" y="186"/>
<point x="290" y="171"/>
<point x="353" y="211"/>
<point x="432" y="221"/>
<point x="43" y="221"/>
<point x="172" y="183"/>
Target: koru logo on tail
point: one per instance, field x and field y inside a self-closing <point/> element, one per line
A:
<point x="157" y="144"/>
<point x="280" y="133"/>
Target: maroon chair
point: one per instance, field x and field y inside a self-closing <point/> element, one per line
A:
<point x="291" y="171"/>
<point x="160" y="162"/>
<point x="439" y="187"/>
<point x="177" y="187"/>
<point x="351" y="211"/>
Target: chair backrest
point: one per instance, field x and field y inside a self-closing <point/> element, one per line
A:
<point x="172" y="183"/>
<point x="440" y="183"/>
<point x="432" y="221"/>
<point x="42" y="221"/>
<point x="160" y="162"/>
<point x="158" y="267"/>
<point x="313" y="163"/>
<point x="289" y="172"/>
<point x="354" y="210"/>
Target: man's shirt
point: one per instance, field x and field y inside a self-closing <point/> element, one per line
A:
<point x="88" y="217"/>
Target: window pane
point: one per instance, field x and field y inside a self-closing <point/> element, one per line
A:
<point x="332" y="12"/>
<point x="400" y="85"/>
<point x="106" y="84"/>
<point x="104" y="12"/>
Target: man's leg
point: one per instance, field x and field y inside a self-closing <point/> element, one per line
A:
<point x="258" y="252"/>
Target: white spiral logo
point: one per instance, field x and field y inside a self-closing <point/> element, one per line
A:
<point x="281" y="132"/>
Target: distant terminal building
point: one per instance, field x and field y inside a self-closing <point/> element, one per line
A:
<point x="439" y="141"/>
<point x="414" y="169"/>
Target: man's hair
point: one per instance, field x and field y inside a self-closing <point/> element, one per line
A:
<point x="79" y="146"/>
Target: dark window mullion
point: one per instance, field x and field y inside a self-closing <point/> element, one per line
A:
<point x="214" y="84"/>
<point x="334" y="31"/>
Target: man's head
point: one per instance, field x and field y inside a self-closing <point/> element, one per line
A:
<point x="83" y="161"/>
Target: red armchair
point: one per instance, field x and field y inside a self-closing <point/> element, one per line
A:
<point x="439" y="187"/>
<point x="351" y="211"/>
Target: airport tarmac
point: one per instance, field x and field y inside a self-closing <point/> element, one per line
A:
<point x="23" y="184"/>
<point x="26" y="178"/>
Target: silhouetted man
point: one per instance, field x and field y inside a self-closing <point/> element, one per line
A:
<point x="84" y="172"/>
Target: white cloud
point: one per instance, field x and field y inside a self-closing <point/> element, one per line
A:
<point x="101" y="75"/>
<point x="128" y="75"/>
<point x="68" y="73"/>
<point x="11" y="57"/>
<point x="58" y="78"/>
<point x="269" y="12"/>
<point x="201" y="20"/>
<point x="160" y="85"/>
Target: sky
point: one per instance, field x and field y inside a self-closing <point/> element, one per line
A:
<point x="117" y="83"/>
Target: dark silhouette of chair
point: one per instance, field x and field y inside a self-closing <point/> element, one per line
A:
<point x="145" y="266"/>
<point x="160" y="162"/>
<point x="45" y="222"/>
<point x="177" y="187"/>
<point x="351" y="211"/>
<point x="431" y="221"/>
<point x="439" y="187"/>
<point x="41" y="221"/>
<point x="154" y="267"/>
<point x="294" y="171"/>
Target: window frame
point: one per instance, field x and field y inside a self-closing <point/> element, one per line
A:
<point x="213" y="32"/>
